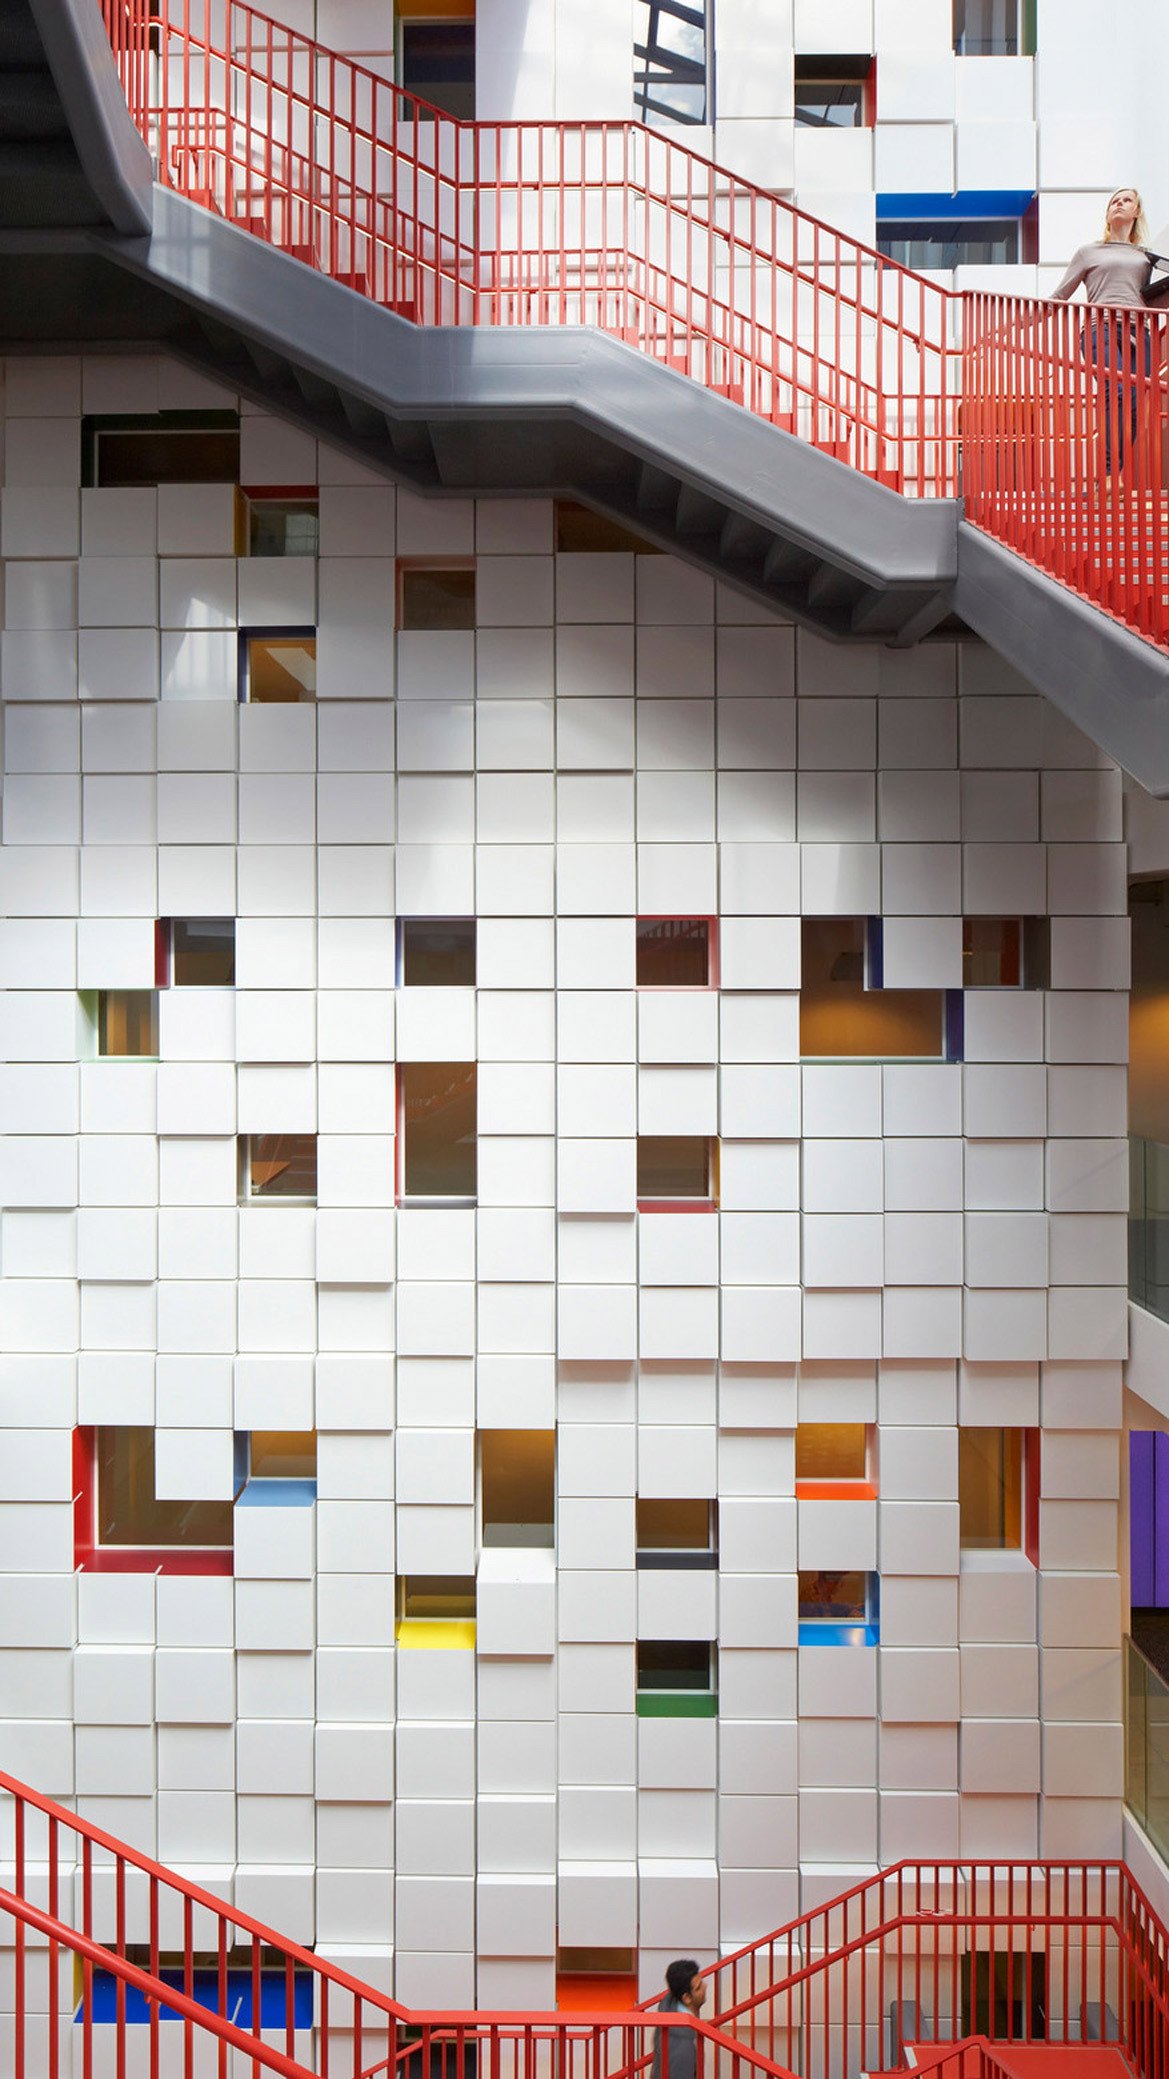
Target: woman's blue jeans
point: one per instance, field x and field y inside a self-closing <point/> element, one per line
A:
<point x="1113" y="343"/>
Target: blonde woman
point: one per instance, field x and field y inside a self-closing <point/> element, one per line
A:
<point x="1114" y="273"/>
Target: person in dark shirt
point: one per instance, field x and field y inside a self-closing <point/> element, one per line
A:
<point x="685" y="1992"/>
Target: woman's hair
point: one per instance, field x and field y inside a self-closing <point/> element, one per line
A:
<point x="1139" y="230"/>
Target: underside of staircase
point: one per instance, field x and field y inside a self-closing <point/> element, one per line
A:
<point x="94" y="256"/>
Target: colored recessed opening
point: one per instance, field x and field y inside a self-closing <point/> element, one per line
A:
<point x="120" y="1527"/>
<point x="279" y="1165"/>
<point x="436" y="1612"/>
<point x="589" y="1981"/>
<point x="838" y="1608"/>
<point x="676" y="1534"/>
<point x="202" y="953"/>
<point x="676" y="1173"/>
<point x="677" y="1678"/>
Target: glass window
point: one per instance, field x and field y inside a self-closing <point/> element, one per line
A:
<point x="203" y="952"/>
<point x="669" y="61"/>
<point x="987" y="28"/>
<point x="280" y="1165"/>
<point x="438" y="952"/>
<point x="831" y="1451"/>
<point x="518" y="1468"/>
<point x="990" y="1488"/>
<point x="676" y="1534"/>
<point x="675" y="1664"/>
<point x="283" y="1454"/>
<point x="132" y="450"/>
<point x="439" y="1598"/>
<point x="833" y="93"/>
<point x="950" y="242"/>
<point x="436" y="596"/>
<point x="127" y="1510"/>
<point x="674" y="1166"/>
<point x="127" y="1022"/>
<point x="843" y="1010"/>
<point x="438" y="64"/>
<point x="439" y="1129"/>
<point x="673" y="953"/>
<point x="283" y="526"/>
<point x="278" y="665"/>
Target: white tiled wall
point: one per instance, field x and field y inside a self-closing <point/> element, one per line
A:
<point x="618" y="734"/>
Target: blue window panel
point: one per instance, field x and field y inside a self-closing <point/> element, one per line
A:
<point x="205" y="1993"/>
<point x="968" y="202"/>
<point x="839" y="1635"/>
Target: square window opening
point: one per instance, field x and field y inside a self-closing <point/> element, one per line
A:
<point x="203" y="952"/>
<point x="676" y="1534"/>
<point x="518" y="1486"/>
<point x="437" y="952"/>
<point x="436" y="595"/>
<point x="278" y="665"/>
<point x="282" y="1454"/>
<point x="438" y="1114"/>
<point x="676" y="1169"/>
<point x="675" y="952"/>
<point x="438" y="64"/>
<point x="845" y="1013"/>
<point x="279" y="1166"/>
<point x="990" y="1489"/>
<point x="596" y="1980"/>
<point x="837" y="1608"/>
<point x="834" y="93"/>
<point x="833" y="1459"/>
<point x="283" y="523"/>
<point x="680" y="1666"/>
<point x="127" y="1023"/>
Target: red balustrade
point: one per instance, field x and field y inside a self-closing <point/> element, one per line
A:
<point x="1050" y="422"/>
<point x="1064" y="456"/>
<point x="518" y="223"/>
<point x="109" y="1962"/>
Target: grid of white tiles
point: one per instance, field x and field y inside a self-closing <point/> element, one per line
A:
<point x="614" y="736"/>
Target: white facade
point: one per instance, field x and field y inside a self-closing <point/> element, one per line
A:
<point x="911" y="1245"/>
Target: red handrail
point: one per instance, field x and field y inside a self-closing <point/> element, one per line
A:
<point x="1020" y="407"/>
<point x="1059" y="1952"/>
<point x="524" y="223"/>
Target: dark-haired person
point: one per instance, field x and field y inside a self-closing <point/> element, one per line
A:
<point x="685" y="1992"/>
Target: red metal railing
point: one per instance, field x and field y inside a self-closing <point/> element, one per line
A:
<point x="613" y="225"/>
<point x="1063" y="436"/>
<point x="924" y="1952"/>
<point x="1050" y="422"/>
<point x="111" y="1963"/>
<point x="505" y="223"/>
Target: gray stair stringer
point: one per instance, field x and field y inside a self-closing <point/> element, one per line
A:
<point x="1110" y="682"/>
